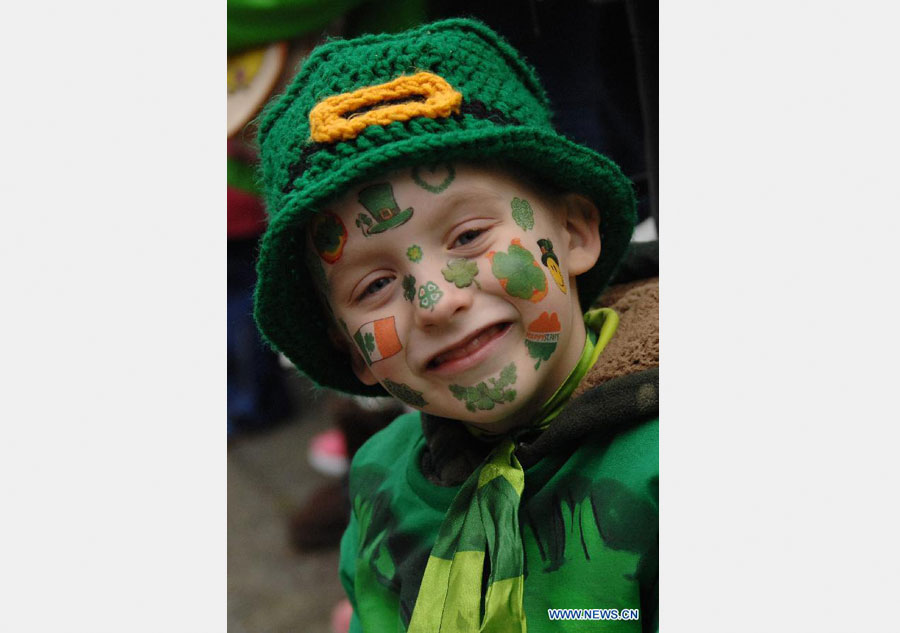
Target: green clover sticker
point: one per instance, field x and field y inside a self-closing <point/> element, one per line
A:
<point x="414" y="253"/>
<point x="405" y="393"/>
<point x="364" y="223"/>
<point x="409" y="288"/>
<point x="484" y="396"/>
<point x="522" y="213"/>
<point x="461" y="272"/>
<point x="518" y="272"/>
<point x="369" y="342"/>
<point x="429" y="295"/>
<point x="439" y="181"/>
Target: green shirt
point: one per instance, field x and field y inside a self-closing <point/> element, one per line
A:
<point x="588" y="524"/>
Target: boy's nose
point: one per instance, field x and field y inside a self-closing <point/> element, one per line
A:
<point x="439" y="301"/>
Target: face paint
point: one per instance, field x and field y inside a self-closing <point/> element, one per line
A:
<point x="518" y="273"/>
<point x="414" y="253"/>
<point x="378" y="199"/>
<point x="405" y="393"/>
<point x="429" y="295"/>
<point x="551" y="261"/>
<point x="542" y="337"/>
<point x="522" y="213"/>
<point x="440" y="175"/>
<point x="328" y="236"/>
<point x="409" y="288"/>
<point x="461" y="272"/>
<point x="378" y="340"/>
<point x="485" y="396"/>
<point x="364" y="223"/>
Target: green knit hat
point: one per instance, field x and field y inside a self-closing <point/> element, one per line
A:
<point x="448" y="91"/>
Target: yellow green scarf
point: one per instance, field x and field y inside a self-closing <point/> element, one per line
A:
<point x="483" y="520"/>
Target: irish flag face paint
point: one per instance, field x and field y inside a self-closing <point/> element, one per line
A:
<point x="378" y="340"/>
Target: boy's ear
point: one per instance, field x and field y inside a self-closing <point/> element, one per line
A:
<point x="357" y="363"/>
<point x="583" y="228"/>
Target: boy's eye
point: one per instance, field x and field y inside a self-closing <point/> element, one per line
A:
<point x="469" y="236"/>
<point x="375" y="286"/>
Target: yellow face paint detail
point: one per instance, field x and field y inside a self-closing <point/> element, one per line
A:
<point x="333" y="119"/>
<point x="556" y="273"/>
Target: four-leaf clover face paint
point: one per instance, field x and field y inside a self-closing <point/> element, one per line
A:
<point x="445" y="293"/>
<point x="429" y="295"/>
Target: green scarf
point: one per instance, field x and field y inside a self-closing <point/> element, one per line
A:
<point x="484" y="518"/>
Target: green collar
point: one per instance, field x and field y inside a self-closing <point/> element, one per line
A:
<point x="601" y="325"/>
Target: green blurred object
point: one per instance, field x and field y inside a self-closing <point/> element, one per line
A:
<point x="259" y="22"/>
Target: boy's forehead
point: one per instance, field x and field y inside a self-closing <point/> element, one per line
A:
<point x="438" y="180"/>
<point x="439" y="186"/>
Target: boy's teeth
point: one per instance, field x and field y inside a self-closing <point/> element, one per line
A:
<point x="468" y="348"/>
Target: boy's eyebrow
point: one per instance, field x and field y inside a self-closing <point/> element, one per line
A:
<point x="453" y="200"/>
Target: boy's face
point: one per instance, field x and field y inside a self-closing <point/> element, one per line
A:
<point x="455" y="288"/>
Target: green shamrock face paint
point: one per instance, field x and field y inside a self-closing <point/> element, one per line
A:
<point x="429" y="295"/>
<point x="405" y="393"/>
<point x="364" y="222"/>
<point x="519" y="274"/>
<point x="522" y="213"/>
<point x="409" y="288"/>
<point x="414" y="253"/>
<point x="434" y="179"/>
<point x="461" y="272"/>
<point x="484" y="396"/>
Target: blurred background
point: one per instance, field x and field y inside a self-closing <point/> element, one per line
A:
<point x="289" y="443"/>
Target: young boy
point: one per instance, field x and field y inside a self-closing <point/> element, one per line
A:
<point x="432" y="237"/>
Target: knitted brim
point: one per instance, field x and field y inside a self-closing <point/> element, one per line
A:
<point x="509" y="124"/>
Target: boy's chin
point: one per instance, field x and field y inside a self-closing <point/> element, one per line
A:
<point x="500" y="419"/>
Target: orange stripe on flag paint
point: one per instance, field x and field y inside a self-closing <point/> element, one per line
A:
<point x="386" y="337"/>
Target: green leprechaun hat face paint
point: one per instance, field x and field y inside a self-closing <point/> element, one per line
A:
<point x="444" y="93"/>
<point x="378" y="199"/>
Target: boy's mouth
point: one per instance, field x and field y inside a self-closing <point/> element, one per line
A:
<point x="450" y="358"/>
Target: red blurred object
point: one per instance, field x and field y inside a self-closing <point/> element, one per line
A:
<point x="328" y="452"/>
<point x="340" y="616"/>
<point x="246" y="214"/>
